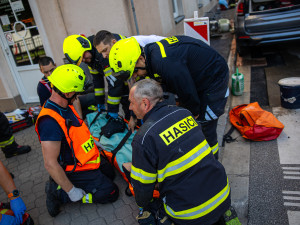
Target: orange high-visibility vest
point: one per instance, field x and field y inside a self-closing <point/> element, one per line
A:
<point x="86" y="152"/>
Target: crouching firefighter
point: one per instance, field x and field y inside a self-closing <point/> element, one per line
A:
<point x="170" y="153"/>
<point x="187" y="67"/>
<point x="70" y="155"/>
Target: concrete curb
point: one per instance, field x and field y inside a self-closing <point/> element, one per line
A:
<point x="236" y="155"/>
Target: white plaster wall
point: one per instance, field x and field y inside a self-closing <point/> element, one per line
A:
<point x="54" y="27"/>
<point x="167" y="19"/>
<point x="89" y="17"/>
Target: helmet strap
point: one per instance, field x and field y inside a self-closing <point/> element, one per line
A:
<point x="63" y="96"/>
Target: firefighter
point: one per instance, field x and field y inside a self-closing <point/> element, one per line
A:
<point x="170" y="153"/>
<point x="47" y="66"/>
<point x="187" y="67"/>
<point x="103" y="41"/>
<point x="77" y="49"/>
<point x="8" y="144"/>
<point x="16" y="203"/>
<point x="70" y="155"/>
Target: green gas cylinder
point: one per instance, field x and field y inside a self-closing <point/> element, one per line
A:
<point x="237" y="83"/>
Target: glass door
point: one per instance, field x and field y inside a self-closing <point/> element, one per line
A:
<point x="23" y="45"/>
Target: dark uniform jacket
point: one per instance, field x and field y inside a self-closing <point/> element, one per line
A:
<point x="99" y="68"/>
<point x="96" y="71"/>
<point x="44" y="90"/>
<point x="170" y="149"/>
<point x="194" y="71"/>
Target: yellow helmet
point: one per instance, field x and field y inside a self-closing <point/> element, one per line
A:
<point x="123" y="57"/>
<point x="68" y="78"/>
<point x="74" y="46"/>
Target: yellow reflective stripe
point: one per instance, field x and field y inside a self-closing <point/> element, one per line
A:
<point x="121" y="36"/>
<point x="88" y="198"/>
<point x="94" y="161"/>
<point x="142" y="176"/>
<point x="162" y="49"/>
<point x="107" y="71"/>
<point x="93" y="71"/>
<point x="3" y="211"/>
<point x="215" y="148"/>
<point x="58" y="187"/>
<point x="8" y="142"/>
<point x="202" y="209"/>
<point x="185" y="162"/>
<point x="99" y="91"/>
<point x="156" y="75"/>
<point x="113" y="100"/>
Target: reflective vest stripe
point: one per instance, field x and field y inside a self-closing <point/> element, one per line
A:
<point x="202" y="209"/>
<point x="142" y="176"/>
<point x="215" y="148"/>
<point x="107" y="71"/>
<point x="122" y="37"/>
<point x="227" y="93"/>
<point x="3" y="211"/>
<point x="94" y="161"/>
<point x="111" y="79"/>
<point x="185" y="162"/>
<point x="93" y="71"/>
<point x="113" y="100"/>
<point x="162" y="49"/>
<point x="211" y="113"/>
<point x="88" y="198"/>
<point x="8" y="142"/>
<point x="99" y="91"/>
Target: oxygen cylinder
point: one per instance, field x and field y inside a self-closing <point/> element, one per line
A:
<point x="237" y="83"/>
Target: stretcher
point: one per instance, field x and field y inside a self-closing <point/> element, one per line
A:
<point x="116" y="149"/>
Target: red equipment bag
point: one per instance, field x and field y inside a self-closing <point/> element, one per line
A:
<point x="254" y="123"/>
<point x="27" y="220"/>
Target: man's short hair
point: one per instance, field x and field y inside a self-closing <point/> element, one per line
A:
<point x="149" y="89"/>
<point x="45" y="61"/>
<point x="103" y="36"/>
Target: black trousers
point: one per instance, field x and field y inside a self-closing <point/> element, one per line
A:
<point x="209" y="129"/>
<point x="101" y="186"/>
<point x="6" y="135"/>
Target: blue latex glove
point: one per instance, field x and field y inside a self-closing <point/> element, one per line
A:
<point x="113" y="115"/>
<point x="18" y="207"/>
<point x="100" y="107"/>
<point x="223" y="2"/>
<point x="8" y="220"/>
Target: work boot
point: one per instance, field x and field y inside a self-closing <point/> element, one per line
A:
<point x="146" y="218"/>
<point x="52" y="201"/>
<point x="112" y="126"/>
<point x="230" y="217"/>
<point x="165" y="221"/>
<point x="15" y="149"/>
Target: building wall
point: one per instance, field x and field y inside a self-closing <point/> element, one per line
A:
<point x="59" y="18"/>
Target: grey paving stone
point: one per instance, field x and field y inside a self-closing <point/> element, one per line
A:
<point x="62" y="218"/>
<point x="44" y="218"/>
<point x="130" y="220"/>
<point x="82" y="220"/>
<point x="123" y="212"/>
<point x="99" y="221"/>
<point x="117" y="222"/>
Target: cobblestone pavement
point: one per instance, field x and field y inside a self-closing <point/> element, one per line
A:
<point x="30" y="178"/>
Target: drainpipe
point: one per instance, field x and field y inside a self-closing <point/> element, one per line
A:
<point x="135" y="20"/>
